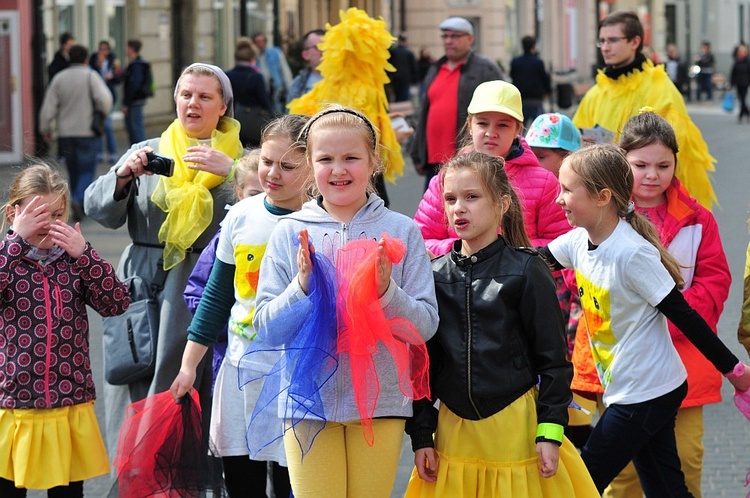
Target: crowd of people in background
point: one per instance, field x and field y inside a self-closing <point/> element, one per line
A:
<point x="578" y="255"/>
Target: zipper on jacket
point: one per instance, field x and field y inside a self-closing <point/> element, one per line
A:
<point x="58" y="302"/>
<point x="469" y="333"/>
<point x="48" y="310"/>
<point x="344" y="233"/>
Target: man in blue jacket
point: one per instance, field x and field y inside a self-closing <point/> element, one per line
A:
<point x="531" y="78"/>
<point x="135" y="92"/>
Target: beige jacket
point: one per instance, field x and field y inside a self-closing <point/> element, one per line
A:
<point x="70" y="99"/>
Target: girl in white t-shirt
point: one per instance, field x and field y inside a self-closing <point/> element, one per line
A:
<point x="229" y="296"/>
<point x="628" y="283"/>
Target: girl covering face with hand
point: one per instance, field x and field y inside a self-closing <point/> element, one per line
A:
<point x="345" y="289"/>
<point x="48" y="275"/>
<point x="499" y="332"/>
<point x="616" y="251"/>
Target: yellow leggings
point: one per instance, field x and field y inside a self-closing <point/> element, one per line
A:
<point x="688" y="431"/>
<point x="340" y="464"/>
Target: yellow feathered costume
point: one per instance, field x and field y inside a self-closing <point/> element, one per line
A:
<point x="611" y="103"/>
<point x="354" y="65"/>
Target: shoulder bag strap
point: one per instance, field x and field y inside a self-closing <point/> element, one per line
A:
<point x="160" y="277"/>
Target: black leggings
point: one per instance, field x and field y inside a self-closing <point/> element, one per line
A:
<point x="247" y="478"/>
<point x="8" y="489"/>
<point x="741" y="96"/>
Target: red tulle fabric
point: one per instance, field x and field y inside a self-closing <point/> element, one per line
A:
<point x="160" y="451"/>
<point x="362" y="325"/>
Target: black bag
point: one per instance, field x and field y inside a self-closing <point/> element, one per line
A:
<point x="252" y="121"/>
<point x="130" y="339"/>
<point x="147" y="88"/>
<point x="98" y="119"/>
<point x="97" y="124"/>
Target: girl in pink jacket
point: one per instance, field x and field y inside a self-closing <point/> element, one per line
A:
<point x="494" y="125"/>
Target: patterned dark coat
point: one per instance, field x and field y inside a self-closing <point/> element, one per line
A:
<point x="44" y="328"/>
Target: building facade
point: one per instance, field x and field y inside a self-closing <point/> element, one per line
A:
<point x="177" y="32"/>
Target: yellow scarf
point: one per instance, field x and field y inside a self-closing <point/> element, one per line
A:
<point x="186" y="196"/>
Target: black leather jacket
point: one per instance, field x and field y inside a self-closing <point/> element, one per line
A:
<point x="500" y="331"/>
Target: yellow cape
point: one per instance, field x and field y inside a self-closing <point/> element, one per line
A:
<point x="354" y="65"/>
<point x="611" y="103"/>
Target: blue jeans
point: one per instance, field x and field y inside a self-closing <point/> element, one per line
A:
<point x="80" y="159"/>
<point x="644" y="433"/>
<point x="134" y="123"/>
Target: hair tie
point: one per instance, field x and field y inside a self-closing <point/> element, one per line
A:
<point x="645" y="109"/>
<point x="629" y="211"/>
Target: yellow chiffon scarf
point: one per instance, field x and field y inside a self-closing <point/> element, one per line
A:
<point x="186" y="196"/>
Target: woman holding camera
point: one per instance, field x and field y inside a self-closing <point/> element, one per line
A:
<point x="170" y="219"/>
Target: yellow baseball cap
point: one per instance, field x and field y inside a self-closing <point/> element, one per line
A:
<point x="497" y="96"/>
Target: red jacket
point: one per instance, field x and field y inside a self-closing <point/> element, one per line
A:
<point x="44" y="329"/>
<point x="536" y="187"/>
<point x="690" y="233"/>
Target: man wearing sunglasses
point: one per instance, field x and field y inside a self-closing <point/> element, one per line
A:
<point x="450" y="82"/>
<point x="629" y="82"/>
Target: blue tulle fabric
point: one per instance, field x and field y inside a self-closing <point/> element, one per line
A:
<point x="308" y="362"/>
<point x="341" y="318"/>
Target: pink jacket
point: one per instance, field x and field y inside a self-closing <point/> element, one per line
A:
<point x="536" y="187"/>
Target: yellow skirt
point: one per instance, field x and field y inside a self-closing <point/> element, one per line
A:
<point x="44" y="448"/>
<point x="497" y="457"/>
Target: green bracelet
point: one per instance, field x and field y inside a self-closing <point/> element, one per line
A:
<point x="552" y="432"/>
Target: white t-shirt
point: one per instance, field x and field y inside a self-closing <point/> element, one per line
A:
<point x="620" y="283"/>
<point x="243" y="240"/>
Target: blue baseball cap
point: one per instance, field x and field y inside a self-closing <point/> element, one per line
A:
<point x="554" y="131"/>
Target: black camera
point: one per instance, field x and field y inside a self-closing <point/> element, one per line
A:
<point x="159" y="165"/>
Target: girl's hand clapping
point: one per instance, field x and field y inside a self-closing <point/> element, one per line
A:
<point x="69" y="238"/>
<point x="304" y="263"/>
<point x="384" y="268"/>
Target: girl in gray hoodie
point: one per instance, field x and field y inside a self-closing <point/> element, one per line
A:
<point x="345" y="385"/>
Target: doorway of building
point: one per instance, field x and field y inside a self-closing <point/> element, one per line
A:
<point x="11" y="143"/>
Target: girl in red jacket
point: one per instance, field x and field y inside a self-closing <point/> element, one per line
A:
<point x="49" y="436"/>
<point x="494" y="127"/>
<point x="690" y="234"/>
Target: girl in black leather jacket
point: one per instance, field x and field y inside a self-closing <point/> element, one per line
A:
<point x="500" y="335"/>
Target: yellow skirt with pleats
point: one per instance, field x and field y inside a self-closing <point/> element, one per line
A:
<point x="44" y="448"/>
<point x="496" y="457"/>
